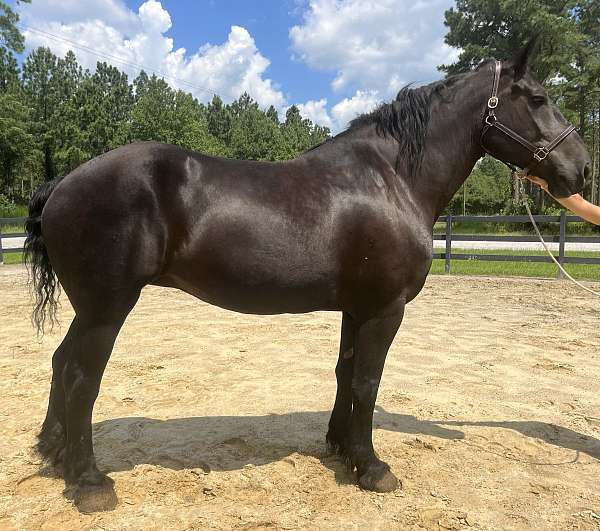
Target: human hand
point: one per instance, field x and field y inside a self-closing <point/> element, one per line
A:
<point x="539" y="181"/>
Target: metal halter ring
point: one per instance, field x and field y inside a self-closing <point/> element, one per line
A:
<point x="491" y="119"/>
<point x="493" y="102"/>
<point x="540" y="154"/>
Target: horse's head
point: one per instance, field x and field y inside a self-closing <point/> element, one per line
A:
<point x="523" y="107"/>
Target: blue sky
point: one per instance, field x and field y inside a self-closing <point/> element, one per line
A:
<point x="269" y="25"/>
<point x="332" y="58"/>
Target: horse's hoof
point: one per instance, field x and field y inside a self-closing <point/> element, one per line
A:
<point x="379" y="479"/>
<point x="93" y="494"/>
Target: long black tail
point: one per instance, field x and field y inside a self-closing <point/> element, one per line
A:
<point x="45" y="283"/>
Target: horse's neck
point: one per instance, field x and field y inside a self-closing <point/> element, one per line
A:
<point x="452" y="146"/>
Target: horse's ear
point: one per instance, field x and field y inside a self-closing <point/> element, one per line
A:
<point x="525" y="56"/>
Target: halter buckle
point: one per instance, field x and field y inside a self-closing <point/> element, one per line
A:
<point x="540" y="154"/>
<point x="493" y="102"/>
<point x="491" y="119"/>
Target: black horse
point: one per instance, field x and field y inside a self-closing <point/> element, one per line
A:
<point x="346" y="226"/>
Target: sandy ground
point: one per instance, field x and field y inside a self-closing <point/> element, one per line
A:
<point x="489" y="411"/>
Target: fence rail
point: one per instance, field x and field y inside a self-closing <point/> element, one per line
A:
<point x="7" y="235"/>
<point x="563" y="219"/>
<point x="449" y="236"/>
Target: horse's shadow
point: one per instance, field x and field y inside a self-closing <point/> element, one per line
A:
<point x="232" y="442"/>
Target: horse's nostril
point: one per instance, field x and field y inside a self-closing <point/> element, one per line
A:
<point x="587" y="171"/>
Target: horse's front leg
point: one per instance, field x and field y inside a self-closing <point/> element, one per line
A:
<point x="373" y="338"/>
<point x="339" y="424"/>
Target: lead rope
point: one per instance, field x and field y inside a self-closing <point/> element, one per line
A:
<point x="537" y="230"/>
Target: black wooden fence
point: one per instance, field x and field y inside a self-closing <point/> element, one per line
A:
<point x="561" y="238"/>
<point x="19" y="222"/>
<point x="449" y="236"/>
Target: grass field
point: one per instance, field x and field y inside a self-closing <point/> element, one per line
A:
<point x="11" y="229"/>
<point x="14" y="211"/>
<point x="17" y="258"/>
<point x="521" y="269"/>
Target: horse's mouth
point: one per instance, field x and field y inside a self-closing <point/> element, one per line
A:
<point x="565" y="188"/>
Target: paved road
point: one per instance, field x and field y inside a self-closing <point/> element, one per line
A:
<point x="528" y="246"/>
<point x="15" y="243"/>
<point x="12" y="243"/>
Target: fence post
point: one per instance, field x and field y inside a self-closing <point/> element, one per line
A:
<point x="561" y="242"/>
<point x="448" y="242"/>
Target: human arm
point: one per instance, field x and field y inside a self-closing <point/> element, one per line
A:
<point x="575" y="203"/>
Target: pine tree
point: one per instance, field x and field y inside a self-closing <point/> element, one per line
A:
<point x="219" y="120"/>
<point x="39" y="72"/>
<point x="16" y="142"/>
<point x="568" y="61"/>
<point x="9" y="71"/>
<point x="10" y="36"/>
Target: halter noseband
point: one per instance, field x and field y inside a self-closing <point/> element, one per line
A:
<point x="539" y="152"/>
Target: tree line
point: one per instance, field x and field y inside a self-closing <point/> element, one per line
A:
<point x="54" y="116"/>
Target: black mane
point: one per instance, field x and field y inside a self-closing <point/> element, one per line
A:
<point x="406" y="120"/>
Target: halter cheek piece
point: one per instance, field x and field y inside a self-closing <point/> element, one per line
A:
<point x="539" y="152"/>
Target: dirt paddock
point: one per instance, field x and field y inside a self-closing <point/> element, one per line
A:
<point x="488" y="411"/>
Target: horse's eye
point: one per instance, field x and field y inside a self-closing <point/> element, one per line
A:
<point x="538" y="100"/>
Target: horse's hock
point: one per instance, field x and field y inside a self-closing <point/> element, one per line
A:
<point x="488" y="412"/>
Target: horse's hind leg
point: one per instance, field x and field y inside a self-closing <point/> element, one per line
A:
<point x="339" y="423"/>
<point x="53" y="435"/>
<point x="94" y="333"/>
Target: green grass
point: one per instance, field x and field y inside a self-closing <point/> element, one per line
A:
<point x="17" y="258"/>
<point x="13" y="211"/>
<point x="8" y="229"/>
<point x="522" y="269"/>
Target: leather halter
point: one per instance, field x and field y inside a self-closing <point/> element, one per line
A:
<point x="490" y="119"/>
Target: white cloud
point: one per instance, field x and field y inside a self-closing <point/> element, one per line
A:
<point x="113" y="13"/>
<point x="343" y="112"/>
<point x="373" y="45"/>
<point x="316" y="111"/>
<point x="154" y="18"/>
<point x="349" y="108"/>
<point x="125" y="38"/>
